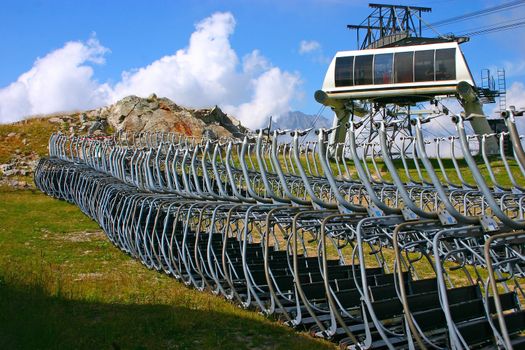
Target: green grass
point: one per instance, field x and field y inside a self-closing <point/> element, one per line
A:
<point x="495" y="162"/>
<point x="35" y="131"/>
<point x="63" y="285"/>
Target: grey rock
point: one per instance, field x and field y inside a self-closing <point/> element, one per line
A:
<point x="32" y="164"/>
<point x="10" y="172"/>
<point x="5" y="167"/>
<point x="209" y="134"/>
<point x="153" y="114"/>
<point x="96" y="126"/>
<point x="56" y="120"/>
<point x="135" y="114"/>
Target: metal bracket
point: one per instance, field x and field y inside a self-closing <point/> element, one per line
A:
<point x="374" y="211"/>
<point x="446" y="218"/>
<point x="409" y="215"/>
<point x="488" y="224"/>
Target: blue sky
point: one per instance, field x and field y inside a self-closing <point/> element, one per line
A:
<point x="129" y="35"/>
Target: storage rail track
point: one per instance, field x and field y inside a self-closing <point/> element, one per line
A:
<point x="324" y="243"/>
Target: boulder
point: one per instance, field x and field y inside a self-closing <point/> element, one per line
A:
<point x="135" y="114"/>
<point x="5" y="167"/>
<point x="98" y="127"/>
<point x="55" y="120"/>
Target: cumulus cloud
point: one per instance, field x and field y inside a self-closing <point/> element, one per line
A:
<point x="516" y="98"/>
<point x="199" y="75"/>
<point x="61" y="80"/>
<point x="306" y="46"/>
<point x="516" y="95"/>
<point x="514" y="69"/>
<point x="205" y="73"/>
<point x="272" y="92"/>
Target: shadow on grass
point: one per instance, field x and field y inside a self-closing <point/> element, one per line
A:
<point x="31" y="319"/>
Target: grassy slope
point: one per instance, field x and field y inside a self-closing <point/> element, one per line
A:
<point x="64" y="285"/>
<point x="36" y="132"/>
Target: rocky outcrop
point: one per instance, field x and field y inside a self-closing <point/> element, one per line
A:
<point x="131" y="114"/>
<point x="136" y="114"/>
<point x="19" y="170"/>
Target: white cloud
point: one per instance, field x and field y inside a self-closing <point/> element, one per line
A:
<point x="205" y="73"/>
<point x="516" y="95"/>
<point x="306" y="46"/>
<point x="272" y="92"/>
<point x="516" y="98"/>
<point x="61" y="80"/>
<point x="514" y="69"/>
<point x="314" y="51"/>
<point x="254" y="63"/>
<point x="199" y="75"/>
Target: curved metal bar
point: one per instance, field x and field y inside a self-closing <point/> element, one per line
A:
<point x="280" y="174"/>
<point x="316" y="201"/>
<point x="397" y="180"/>
<point x="363" y="175"/>
<point x="327" y="171"/>
<point x="482" y="185"/>
<point x="435" y="180"/>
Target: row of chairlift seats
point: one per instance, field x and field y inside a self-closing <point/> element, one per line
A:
<point x="363" y="261"/>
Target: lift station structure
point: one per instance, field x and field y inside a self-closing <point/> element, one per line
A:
<point x="395" y="68"/>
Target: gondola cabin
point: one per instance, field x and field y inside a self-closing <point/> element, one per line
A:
<point x="403" y="74"/>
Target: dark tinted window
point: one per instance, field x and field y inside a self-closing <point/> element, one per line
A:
<point x="446" y="64"/>
<point x="383" y="68"/>
<point x="404" y="67"/>
<point x="344" y="66"/>
<point x="424" y="65"/>
<point x="363" y="70"/>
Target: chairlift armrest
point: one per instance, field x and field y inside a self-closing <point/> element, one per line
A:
<point x="282" y="132"/>
<point x="300" y="132"/>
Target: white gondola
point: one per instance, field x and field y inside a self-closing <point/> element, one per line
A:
<point x="402" y="74"/>
<point x="397" y="74"/>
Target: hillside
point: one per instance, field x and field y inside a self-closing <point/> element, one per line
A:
<point x="22" y="143"/>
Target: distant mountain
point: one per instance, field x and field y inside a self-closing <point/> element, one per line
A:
<point x="299" y="120"/>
